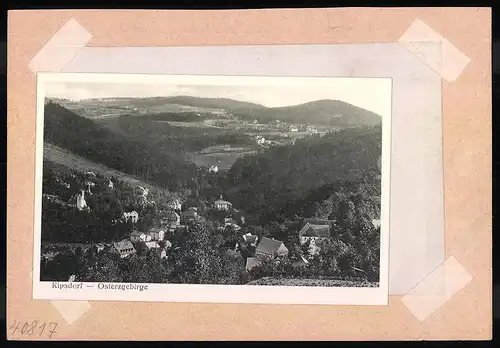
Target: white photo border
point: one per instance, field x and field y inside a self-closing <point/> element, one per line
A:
<point x="209" y="293"/>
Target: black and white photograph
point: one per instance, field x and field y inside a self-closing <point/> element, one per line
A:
<point x="212" y="188"/>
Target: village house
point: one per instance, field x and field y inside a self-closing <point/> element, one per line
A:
<point x="376" y="223"/>
<point x="138" y="236"/>
<point x="190" y="214"/>
<point x="163" y="254"/>
<point x="294" y="129"/>
<point x="174" y="205"/>
<point x="123" y="248"/>
<point x="170" y="218"/>
<point x="111" y="185"/>
<point x="89" y="184"/>
<point x="152" y="245"/>
<point x="232" y="225"/>
<point x="156" y="233"/>
<point x="271" y="248"/>
<point x="249" y="240"/>
<point x="238" y="216"/>
<point x="310" y="233"/>
<point x="173" y="230"/>
<point x="99" y="247"/>
<point x="131" y="216"/>
<point x="312" y="130"/>
<point x="314" y="231"/>
<point x="213" y="169"/>
<point x="221" y="204"/>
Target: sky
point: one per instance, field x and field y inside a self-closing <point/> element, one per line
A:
<point x="370" y="94"/>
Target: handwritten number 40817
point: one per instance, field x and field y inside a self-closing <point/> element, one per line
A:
<point x="34" y="328"/>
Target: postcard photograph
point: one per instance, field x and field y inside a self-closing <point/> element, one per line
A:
<point x="239" y="189"/>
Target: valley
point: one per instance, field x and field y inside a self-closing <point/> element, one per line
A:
<point x="235" y="169"/>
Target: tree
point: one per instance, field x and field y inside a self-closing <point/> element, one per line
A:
<point x="230" y="237"/>
<point x="140" y="248"/>
<point x="195" y="261"/>
<point x="100" y="268"/>
<point x="61" y="267"/>
<point x="233" y="271"/>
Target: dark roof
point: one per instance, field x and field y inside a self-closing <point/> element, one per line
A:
<point x="268" y="245"/>
<point x="136" y="233"/>
<point x="310" y="230"/>
<point x="321" y="230"/>
<point x="156" y="229"/>
<point x="314" y="221"/>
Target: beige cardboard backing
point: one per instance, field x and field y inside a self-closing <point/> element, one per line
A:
<point x="467" y="173"/>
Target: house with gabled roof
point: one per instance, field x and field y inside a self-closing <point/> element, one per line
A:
<point x="311" y="233"/>
<point x="270" y="248"/>
<point x="221" y="204"/>
<point x="152" y="245"/>
<point x="249" y="239"/>
<point x="131" y="216"/>
<point x="170" y="218"/>
<point x="314" y="231"/>
<point x="123" y="248"/>
<point x="190" y="214"/>
<point x="138" y="236"/>
<point x="156" y="233"/>
<point x="232" y="225"/>
<point x="174" y="205"/>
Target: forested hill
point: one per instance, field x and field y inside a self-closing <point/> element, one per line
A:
<point x="283" y="175"/>
<point x="85" y="138"/>
<point x="326" y="112"/>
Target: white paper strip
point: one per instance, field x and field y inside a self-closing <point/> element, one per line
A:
<point x="71" y="311"/>
<point x="451" y="62"/>
<point x="436" y="289"/>
<point x="61" y="48"/>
